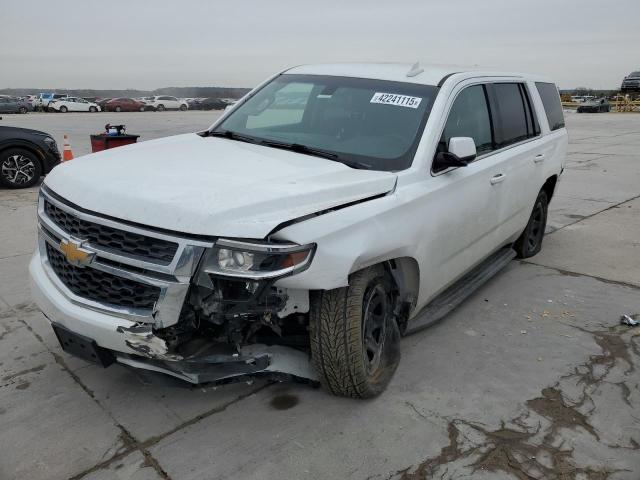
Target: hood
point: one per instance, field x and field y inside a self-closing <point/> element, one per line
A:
<point x="20" y="130"/>
<point x="211" y="186"/>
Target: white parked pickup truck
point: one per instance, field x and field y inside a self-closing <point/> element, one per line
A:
<point x="331" y="211"/>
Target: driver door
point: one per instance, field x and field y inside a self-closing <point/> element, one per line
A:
<point x="459" y="209"/>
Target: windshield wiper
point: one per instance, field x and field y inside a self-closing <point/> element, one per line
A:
<point x="299" y="148"/>
<point x="318" y="152"/>
<point x="232" y="136"/>
<point x="294" y="147"/>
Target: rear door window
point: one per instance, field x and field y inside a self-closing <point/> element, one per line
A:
<point x="552" y="106"/>
<point x="513" y="114"/>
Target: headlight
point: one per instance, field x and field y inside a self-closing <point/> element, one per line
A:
<point x="257" y="260"/>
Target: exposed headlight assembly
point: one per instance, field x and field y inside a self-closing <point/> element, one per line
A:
<point x="257" y="261"/>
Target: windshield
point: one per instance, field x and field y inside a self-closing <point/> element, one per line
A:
<point x="374" y="124"/>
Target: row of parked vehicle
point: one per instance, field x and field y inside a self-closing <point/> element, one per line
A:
<point x="63" y="103"/>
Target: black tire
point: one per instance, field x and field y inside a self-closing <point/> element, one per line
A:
<point x="22" y="110"/>
<point x="339" y="321"/>
<point x="63" y="109"/>
<point x="530" y="241"/>
<point x="160" y="108"/>
<point x="93" y="109"/>
<point x="183" y="108"/>
<point x="27" y="162"/>
<point x="118" y="108"/>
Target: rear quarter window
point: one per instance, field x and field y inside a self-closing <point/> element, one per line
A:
<point x="552" y="106"/>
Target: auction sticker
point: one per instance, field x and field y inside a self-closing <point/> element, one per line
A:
<point x="398" y="100"/>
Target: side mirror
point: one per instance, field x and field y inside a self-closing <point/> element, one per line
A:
<point x="460" y="151"/>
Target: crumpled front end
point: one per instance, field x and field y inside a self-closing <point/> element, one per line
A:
<point x="198" y="309"/>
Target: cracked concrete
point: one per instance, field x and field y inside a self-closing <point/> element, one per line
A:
<point x="474" y="396"/>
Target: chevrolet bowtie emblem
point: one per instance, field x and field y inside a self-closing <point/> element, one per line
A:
<point x="75" y="254"/>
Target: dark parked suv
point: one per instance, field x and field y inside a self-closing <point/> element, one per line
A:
<point x="25" y="155"/>
<point x="631" y="82"/>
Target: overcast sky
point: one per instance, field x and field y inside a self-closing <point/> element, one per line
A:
<point x="152" y="44"/>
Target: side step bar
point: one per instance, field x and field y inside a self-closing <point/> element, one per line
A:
<point x="460" y="291"/>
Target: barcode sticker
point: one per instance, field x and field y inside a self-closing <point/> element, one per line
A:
<point x="398" y="100"/>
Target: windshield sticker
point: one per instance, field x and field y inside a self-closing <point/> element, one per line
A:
<point x="398" y="100"/>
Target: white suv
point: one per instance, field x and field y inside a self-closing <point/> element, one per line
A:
<point x="331" y="211"/>
<point x="165" y="102"/>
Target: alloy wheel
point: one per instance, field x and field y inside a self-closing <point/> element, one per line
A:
<point x="18" y="169"/>
<point x="374" y="326"/>
<point x="536" y="227"/>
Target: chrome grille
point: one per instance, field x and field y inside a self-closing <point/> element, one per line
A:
<point x="137" y="272"/>
<point x="101" y="286"/>
<point x="123" y="242"/>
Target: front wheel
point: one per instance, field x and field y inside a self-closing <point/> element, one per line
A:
<point x="22" y="110"/>
<point x="64" y="109"/>
<point x="93" y="109"/>
<point x="118" y="108"/>
<point x="355" y="340"/>
<point x="183" y="108"/>
<point x="160" y="108"/>
<point x="530" y="241"/>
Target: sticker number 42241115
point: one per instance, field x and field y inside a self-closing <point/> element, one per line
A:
<point x="398" y="100"/>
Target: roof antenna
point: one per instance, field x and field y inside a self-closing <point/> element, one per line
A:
<point x="415" y="70"/>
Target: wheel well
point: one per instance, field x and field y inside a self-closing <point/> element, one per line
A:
<point x="549" y="186"/>
<point x="406" y="275"/>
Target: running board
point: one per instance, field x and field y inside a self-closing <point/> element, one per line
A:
<point x="453" y="296"/>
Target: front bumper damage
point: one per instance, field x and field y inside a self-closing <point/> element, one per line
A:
<point x="220" y="363"/>
<point x="135" y="344"/>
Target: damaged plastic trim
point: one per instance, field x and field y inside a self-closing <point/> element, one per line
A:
<point x="250" y="360"/>
<point x="141" y="339"/>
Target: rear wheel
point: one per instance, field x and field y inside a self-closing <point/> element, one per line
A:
<point x="19" y="168"/>
<point x="355" y="341"/>
<point x="118" y="108"/>
<point x="530" y="242"/>
<point x="142" y="108"/>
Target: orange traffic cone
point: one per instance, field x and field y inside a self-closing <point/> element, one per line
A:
<point x="67" y="154"/>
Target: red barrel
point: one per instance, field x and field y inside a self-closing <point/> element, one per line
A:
<point x="104" y="142"/>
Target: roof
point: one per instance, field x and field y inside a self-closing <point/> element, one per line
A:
<point x="423" y="74"/>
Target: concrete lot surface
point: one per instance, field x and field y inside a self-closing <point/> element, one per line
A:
<point x="531" y="378"/>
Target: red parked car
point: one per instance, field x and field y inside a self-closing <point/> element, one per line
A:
<point x="124" y="105"/>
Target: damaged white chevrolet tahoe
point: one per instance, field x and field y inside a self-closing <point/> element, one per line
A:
<point x="331" y="211"/>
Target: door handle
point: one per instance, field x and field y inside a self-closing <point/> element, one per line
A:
<point x="539" y="158"/>
<point x="497" y="178"/>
